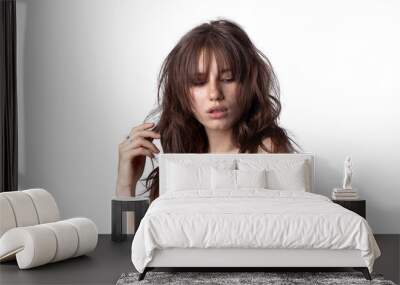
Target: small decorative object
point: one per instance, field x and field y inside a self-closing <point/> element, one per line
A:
<point x="348" y="172"/>
<point x="347" y="192"/>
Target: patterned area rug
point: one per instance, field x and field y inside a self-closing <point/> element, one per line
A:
<point x="225" y="278"/>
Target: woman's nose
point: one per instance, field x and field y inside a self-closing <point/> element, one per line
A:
<point x="215" y="92"/>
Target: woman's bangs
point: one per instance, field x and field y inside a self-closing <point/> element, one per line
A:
<point x="194" y="73"/>
<point x="224" y="58"/>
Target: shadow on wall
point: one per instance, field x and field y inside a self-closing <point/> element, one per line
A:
<point x="21" y="11"/>
<point x="34" y="133"/>
<point x="326" y="176"/>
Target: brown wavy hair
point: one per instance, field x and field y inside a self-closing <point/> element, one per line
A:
<point x="258" y="94"/>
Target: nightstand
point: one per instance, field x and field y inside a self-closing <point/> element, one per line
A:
<point x="138" y="205"/>
<point x="357" y="206"/>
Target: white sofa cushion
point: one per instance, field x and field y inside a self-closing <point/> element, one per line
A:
<point x="45" y="205"/>
<point x="31" y="232"/>
<point x="47" y="243"/>
<point x="67" y="237"/>
<point x="27" y="208"/>
<point x="23" y="208"/>
<point x="7" y="215"/>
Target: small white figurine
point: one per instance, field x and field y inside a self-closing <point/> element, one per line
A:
<point x="348" y="172"/>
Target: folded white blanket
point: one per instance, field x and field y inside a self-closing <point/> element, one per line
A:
<point x="250" y="218"/>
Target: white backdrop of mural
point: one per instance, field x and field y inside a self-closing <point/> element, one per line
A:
<point x="88" y="69"/>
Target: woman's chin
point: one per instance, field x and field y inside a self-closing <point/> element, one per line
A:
<point x="219" y="125"/>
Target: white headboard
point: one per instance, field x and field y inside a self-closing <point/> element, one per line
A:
<point x="217" y="156"/>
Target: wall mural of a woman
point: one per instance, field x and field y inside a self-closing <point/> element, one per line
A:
<point x="217" y="93"/>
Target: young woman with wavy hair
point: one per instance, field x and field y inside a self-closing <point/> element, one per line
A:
<point x="217" y="93"/>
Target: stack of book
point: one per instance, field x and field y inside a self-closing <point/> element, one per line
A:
<point x="344" y="194"/>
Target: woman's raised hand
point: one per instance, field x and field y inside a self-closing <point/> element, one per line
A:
<point x="132" y="154"/>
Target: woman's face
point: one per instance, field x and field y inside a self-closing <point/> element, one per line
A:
<point x="210" y="92"/>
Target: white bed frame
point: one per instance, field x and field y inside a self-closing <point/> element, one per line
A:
<point x="250" y="257"/>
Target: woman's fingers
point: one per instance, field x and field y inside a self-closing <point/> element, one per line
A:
<point x="132" y="151"/>
<point x="141" y="142"/>
<point x="139" y="151"/>
<point x="138" y="132"/>
<point x="141" y="127"/>
<point x="138" y="141"/>
<point x="145" y="134"/>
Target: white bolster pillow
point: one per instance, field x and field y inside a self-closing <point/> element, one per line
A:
<point x="45" y="205"/>
<point x="27" y="208"/>
<point x="46" y="243"/>
<point x="7" y="217"/>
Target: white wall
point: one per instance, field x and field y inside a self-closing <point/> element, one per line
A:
<point x="88" y="69"/>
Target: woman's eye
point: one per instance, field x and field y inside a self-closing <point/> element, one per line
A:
<point x="198" y="83"/>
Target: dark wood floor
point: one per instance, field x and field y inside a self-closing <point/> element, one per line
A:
<point x="111" y="259"/>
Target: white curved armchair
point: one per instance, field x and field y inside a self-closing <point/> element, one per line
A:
<point x="32" y="233"/>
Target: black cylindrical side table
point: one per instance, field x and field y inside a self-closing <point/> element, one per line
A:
<point x="138" y="205"/>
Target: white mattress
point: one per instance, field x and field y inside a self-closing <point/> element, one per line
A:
<point x="252" y="218"/>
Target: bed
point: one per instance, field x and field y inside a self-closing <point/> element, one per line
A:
<point x="244" y="211"/>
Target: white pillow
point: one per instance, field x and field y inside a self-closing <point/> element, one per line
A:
<point x="223" y="179"/>
<point x="228" y="179"/>
<point x="282" y="174"/>
<point x="182" y="177"/>
<point x="251" y="178"/>
<point x="290" y="178"/>
<point x="187" y="175"/>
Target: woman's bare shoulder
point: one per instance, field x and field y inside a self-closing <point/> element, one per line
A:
<point x="268" y="144"/>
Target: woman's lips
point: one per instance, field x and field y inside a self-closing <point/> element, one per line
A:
<point x="219" y="114"/>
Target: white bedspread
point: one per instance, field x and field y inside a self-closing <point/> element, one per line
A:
<point x="251" y="218"/>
